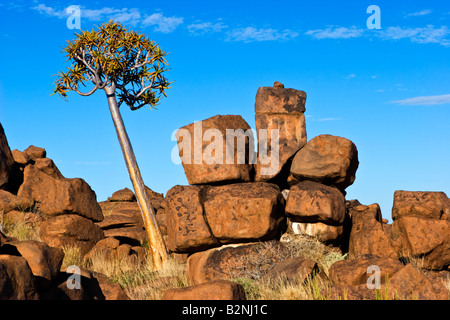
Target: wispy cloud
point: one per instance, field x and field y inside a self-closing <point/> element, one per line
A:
<point x="250" y="34"/>
<point x="428" y="34"/>
<point x="336" y="32"/>
<point x="131" y="16"/>
<point x="162" y="24"/>
<point x="425" y="100"/>
<point x="419" y="13"/>
<point x="351" y="76"/>
<point x="206" y="27"/>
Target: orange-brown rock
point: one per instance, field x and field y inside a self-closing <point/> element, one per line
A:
<point x="282" y="110"/>
<point x="321" y="231"/>
<point x="60" y="196"/>
<point x="432" y="205"/>
<point x="293" y="270"/>
<point x="6" y="161"/>
<point x="425" y="238"/>
<point x="412" y="284"/>
<point x="187" y="230"/>
<point x="70" y="230"/>
<point x="355" y="271"/>
<point x="47" y="166"/>
<point x="367" y="235"/>
<point x="327" y="159"/>
<point x="310" y="201"/>
<point x="43" y="260"/>
<point x="233" y="261"/>
<point x="198" y="153"/>
<point x="34" y="153"/>
<point x="9" y="202"/>
<point x="124" y="194"/>
<point x="16" y="279"/>
<point x="213" y="290"/>
<point x="244" y="212"/>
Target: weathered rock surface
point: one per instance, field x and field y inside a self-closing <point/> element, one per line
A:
<point x="327" y="159"/>
<point x="187" y="230"/>
<point x="310" y="201"/>
<point x="293" y="270"/>
<point x="9" y="202"/>
<point x="321" y="231"/>
<point x="16" y="279"/>
<point x="431" y="205"/>
<point x="244" y="212"/>
<point x="70" y="230"/>
<point x="428" y="239"/>
<point x="367" y="235"/>
<point x="282" y="110"/>
<point x="213" y="290"/>
<point x="205" y="161"/>
<point x="233" y="261"/>
<point x="6" y="161"/>
<point x="60" y="196"/>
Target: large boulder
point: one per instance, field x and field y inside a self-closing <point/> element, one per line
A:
<point x="43" y="260"/>
<point x="187" y="229"/>
<point x="209" y="153"/>
<point x="244" y="212"/>
<point x="312" y="202"/>
<point x="213" y="290"/>
<point x="428" y="239"/>
<point x="9" y="202"/>
<point x="231" y="261"/>
<point x="70" y="230"/>
<point x="367" y="234"/>
<point x="201" y="217"/>
<point x="327" y="159"/>
<point x="281" y="110"/>
<point x="60" y="196"/>
<point x="16" y="279"/>
<point x="431" y="205"/>
<point x="6" y="161"/>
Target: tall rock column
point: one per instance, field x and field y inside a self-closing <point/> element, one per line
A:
<point x="279" y="111"/>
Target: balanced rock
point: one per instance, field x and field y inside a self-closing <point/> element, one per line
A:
<point x="279" y="112"/>
<point x="209" y="153"/>
<point x="327" y="159"/>
<point x="310" y="201"/>
<point x="60" y="196"/>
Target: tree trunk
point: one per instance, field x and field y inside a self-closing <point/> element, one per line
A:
<point x="155" y="238"/>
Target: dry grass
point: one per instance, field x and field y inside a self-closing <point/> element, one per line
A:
<point x="21" y="230"/>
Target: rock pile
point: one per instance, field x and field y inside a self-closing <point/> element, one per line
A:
<point x="223" y="218"/>
<point x="65" y="211"/>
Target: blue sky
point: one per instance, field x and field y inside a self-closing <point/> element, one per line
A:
<point x="387" y="89"/>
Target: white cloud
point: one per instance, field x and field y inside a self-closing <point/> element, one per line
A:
<point x="250" y="34"/>
<point x="206" y="27"/>
<point x="425" y="100"/>
<point x="419" y="13"/>
<point x="162" y="24"/>
<point x="43" y="9"/>
<point x="428" y="34"/>
<point x="335" y="32"/>
<point x="351" y="76"/>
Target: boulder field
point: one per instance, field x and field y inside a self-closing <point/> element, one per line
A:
<point x="233" y="212"/>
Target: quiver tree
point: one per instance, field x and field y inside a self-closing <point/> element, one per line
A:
<point x="129" y="68"/>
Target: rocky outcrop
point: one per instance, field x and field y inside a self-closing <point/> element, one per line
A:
<point x="6" y="162"/>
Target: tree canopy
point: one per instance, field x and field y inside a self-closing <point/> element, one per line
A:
<point x="114" y="56"/>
